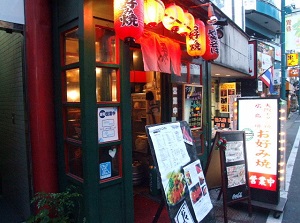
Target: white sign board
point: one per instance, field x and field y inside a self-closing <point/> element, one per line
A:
<point x="107" y="124"/>
<point x="259" y="119"/>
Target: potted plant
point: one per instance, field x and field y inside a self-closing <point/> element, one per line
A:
<point x="63" y="207"/>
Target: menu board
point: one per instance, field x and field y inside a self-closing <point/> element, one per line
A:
<point x="192" y="105"/>
<point x="227" y="168"/>
<point x="180" y="172"/>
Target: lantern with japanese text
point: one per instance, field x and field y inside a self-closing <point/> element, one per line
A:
<point x="196" y="40"/>
<point x="173" y="18"/>
<point x="212" y="44"/>
<point x="187" y="24"/>
<point x="129" y="19"/>
<point x="154" y="11"/>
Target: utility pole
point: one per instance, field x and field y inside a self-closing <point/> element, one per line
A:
<point x="283" y="56"/>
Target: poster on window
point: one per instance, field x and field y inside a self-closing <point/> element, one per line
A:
<point x="107" y="124"/>
<point x="227" y="90"/>
<point x="181" y="174"/>
<point x="192" y="105"/>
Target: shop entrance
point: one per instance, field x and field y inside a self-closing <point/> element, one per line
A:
<point x="146" y="110"/>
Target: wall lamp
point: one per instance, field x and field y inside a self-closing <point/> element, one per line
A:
<point x="212" y="19"/>
<point x="220" y="32"/>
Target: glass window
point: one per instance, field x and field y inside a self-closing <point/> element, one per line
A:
<point x="106" y="84"/>
<point x="195" y="71"/>
<point x="183" y="77"/>
<point x="71" y="53"/>
<point x="73" y="123"/>
<point x="105" y="45"/>
<point x="72" y="85"/>
<point x="108" y="162"/>
<point x="74" y="157"/>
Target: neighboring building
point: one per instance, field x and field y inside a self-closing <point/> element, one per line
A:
<point x="263" y="25"/>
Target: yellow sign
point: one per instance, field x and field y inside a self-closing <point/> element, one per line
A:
<point x="292" y="59"/>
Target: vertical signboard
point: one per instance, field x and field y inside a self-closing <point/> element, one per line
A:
<point x="180" y="172"/>
<point x="265" y="57"/>
<point x="259" y="118"/>
<point x="292" y="32"/>
<point x="252" y="58"/>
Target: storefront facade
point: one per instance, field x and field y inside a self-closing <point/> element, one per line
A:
<point x="102" y="123"/>
<point x="89" y="109"/>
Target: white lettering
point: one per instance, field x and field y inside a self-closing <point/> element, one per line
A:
<point x="237" y="196"/>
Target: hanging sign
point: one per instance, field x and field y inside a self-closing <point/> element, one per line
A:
<point x="196" y="40"/>
<point x="181" y="174"/>
<point x="259" y="117"/>
<point x="129" y="19"/>
<point x="212" y="44"/>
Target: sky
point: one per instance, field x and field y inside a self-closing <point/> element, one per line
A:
<point x="296" y="2"/>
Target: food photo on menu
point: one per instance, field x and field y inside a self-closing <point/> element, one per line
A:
<point x="175" y="188"/>
<point x="197" y="189"/>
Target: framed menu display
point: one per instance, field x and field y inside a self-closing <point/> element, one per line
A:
<point x="192" y="105"/>
<point x="180" y="172"/>
<point x="227" y="168"/>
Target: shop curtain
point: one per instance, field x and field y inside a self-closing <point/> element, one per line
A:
<point x="160" y="53"/>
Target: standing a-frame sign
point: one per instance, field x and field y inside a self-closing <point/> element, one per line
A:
<point x="181" y="175"/>
<point x="227" y="168"/>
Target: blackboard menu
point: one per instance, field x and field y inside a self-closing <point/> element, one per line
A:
<point x="180" y="172"/>
<point x="192" y="105"/>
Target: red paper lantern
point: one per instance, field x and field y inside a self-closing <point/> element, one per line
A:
<point x="196" y="40"/>
<point x="212" y="44"/>
<point x="129" y="19"/>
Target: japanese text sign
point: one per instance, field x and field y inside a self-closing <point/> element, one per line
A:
<point x="259" y="119"/>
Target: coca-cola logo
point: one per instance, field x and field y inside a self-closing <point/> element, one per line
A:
<point x="237" y="196"/>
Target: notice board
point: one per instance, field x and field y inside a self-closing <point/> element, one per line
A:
<point x="180" y="172"/>
<point x="227" y="168"/>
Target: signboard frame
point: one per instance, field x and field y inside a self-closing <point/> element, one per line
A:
<point x="248" y="115"/>
<point x="172" y="148"/>
<point x="227" y="169"/>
